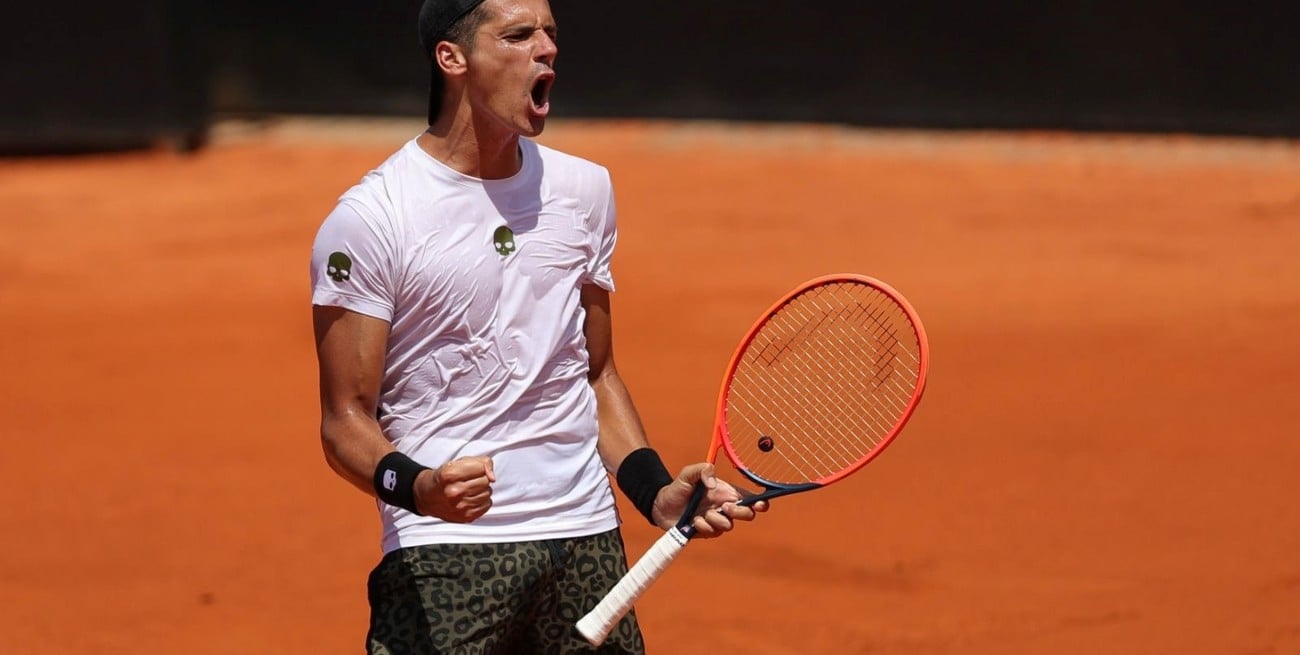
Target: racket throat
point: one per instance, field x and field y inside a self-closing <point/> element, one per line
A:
<point x="773" y="490"/>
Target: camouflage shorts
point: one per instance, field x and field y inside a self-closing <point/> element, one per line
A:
<point x="462" y="599"/>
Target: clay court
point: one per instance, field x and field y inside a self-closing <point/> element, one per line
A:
<point x="1105" y="461"/>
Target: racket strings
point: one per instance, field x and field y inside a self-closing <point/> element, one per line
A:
<point x="822" y="383"/>
<point x="819" y="431"/>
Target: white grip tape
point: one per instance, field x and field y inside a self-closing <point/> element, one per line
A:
<point x="595" y="626"/>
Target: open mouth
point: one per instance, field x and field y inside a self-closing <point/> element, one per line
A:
<point x="541" y="92"/>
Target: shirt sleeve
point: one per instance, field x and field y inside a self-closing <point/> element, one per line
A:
<point x="352" y="264"/>
<point x="604" y="219"/>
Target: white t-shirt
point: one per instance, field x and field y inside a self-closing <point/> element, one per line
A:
<point x="480" y="282"/>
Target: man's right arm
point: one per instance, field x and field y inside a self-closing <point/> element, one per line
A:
<point x="350" y="350"/>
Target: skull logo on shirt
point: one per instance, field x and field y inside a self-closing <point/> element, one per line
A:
<point x="339" y="267"/>
<point x="503" y="240"/>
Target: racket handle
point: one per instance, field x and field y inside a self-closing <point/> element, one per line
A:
<point x="598" y="623"/>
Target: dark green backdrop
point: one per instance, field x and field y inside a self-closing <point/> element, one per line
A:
<point x="164" y="66"/>
<point x="1105" y="64"/>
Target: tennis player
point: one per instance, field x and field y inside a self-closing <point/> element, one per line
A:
<point x="461" y="306"/>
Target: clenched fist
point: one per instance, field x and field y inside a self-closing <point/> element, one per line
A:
<point x="459" y="491"/>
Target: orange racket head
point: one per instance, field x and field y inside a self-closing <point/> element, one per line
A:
<point x="821" y="384"/>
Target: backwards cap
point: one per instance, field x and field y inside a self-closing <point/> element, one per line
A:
<point x="436" y="17"/>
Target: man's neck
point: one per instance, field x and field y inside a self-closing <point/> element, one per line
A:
<point x="473" y="150"/>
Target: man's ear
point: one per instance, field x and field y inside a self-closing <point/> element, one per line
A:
<point x="450" y="58"/>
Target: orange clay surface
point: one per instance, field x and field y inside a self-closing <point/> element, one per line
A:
<point x="1107" y="459"/>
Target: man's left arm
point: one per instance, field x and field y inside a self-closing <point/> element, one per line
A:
<point x="622" y="434"/>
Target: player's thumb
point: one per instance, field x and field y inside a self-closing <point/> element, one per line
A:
<point x="702" y="472"/>
<point x="469" y="468"/>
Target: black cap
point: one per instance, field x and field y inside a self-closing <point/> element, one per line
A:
<point x="436" y="17"/>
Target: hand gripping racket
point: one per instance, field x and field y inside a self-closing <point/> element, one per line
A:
<point x="819" y="386"/>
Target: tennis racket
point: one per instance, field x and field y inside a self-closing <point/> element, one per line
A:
<point x="820" y="385"/>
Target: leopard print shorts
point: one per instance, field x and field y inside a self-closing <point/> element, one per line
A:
<point x="508" y="598"/>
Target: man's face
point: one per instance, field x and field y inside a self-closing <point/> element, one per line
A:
<point x="510" y="69"/>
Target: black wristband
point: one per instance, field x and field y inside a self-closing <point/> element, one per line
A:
<point x="641" y="475"/>
<point x="395" y="480"/>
